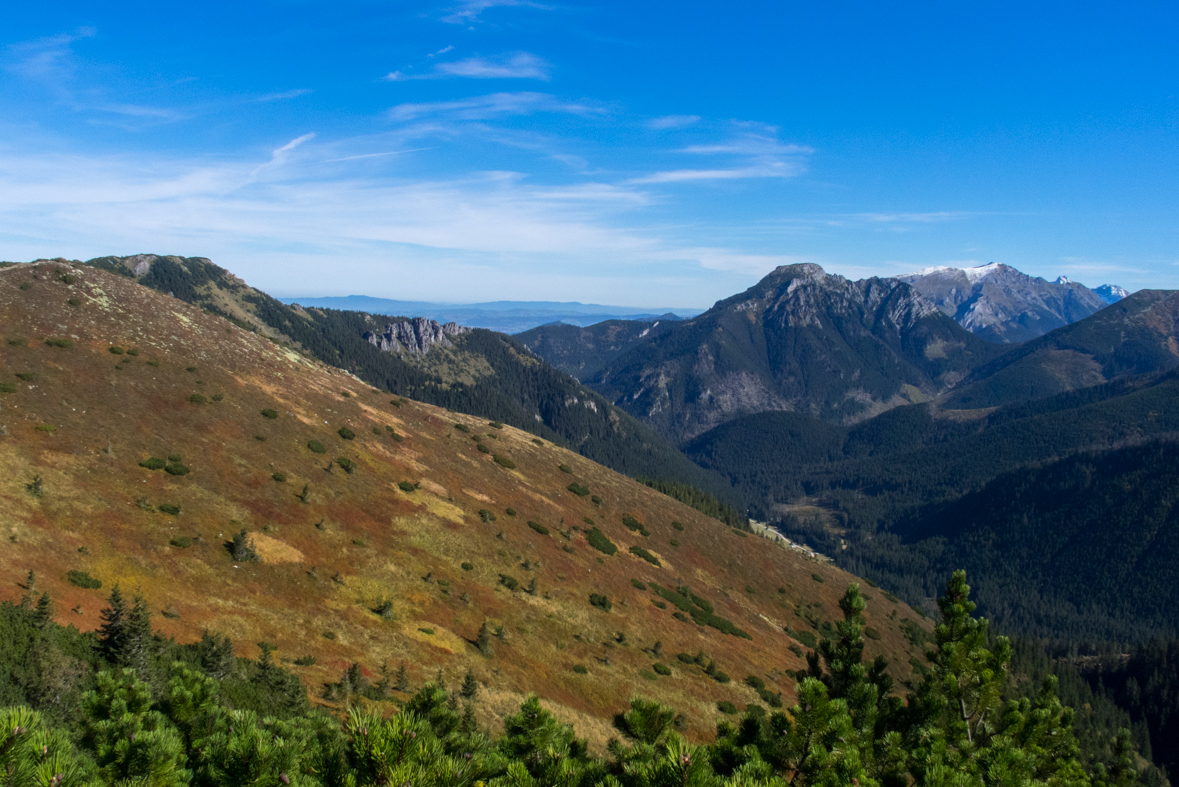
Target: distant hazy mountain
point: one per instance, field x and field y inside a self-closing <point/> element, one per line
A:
<point x="582" y="352"/>
<point x="800" y="339"/>
<point x="1001" y="304"/>
<point x="503" y="316"/>
<point x="1137" y="335"/>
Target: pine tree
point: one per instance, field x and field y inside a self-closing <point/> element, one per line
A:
<point x="483" y="641"/>
<point x="470" y="685"/>
<point x="136" y="648"/>
<point x="43" y="613"/>
<point x="382" y="685"/>
<point x="112" y="634"/>
<point x="469" y="725"/>
<point x="402" y="681"/>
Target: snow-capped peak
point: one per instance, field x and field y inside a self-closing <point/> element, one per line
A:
<point x="1063" y="280"/>
<point x="982" y="271"/>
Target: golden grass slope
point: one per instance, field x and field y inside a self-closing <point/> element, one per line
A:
<point x="82" y="418"/>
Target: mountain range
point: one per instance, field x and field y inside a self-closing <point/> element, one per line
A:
<point x="505" y="316"/>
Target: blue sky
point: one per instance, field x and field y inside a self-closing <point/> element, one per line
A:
<point x="652" y="153"/>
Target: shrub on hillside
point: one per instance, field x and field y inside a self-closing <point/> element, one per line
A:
<point x="565" y="469"/>
<point x="241" y="548"/>
<point x="169" y="509"/>
<point x="116" y="350"/>
<point x="634" y="525"/>
<point x="482" y="448"/>
<point x="346" y="433"/>
<point x="580" y="669"/>
<point x="28" y="377"/>
<point x="661" y="669"/>
<point x="347" y="464"/>
<point x="677" y="525"/>
<point x="508" y="581"/>
<point x="280" y="477"/>
<point x="495" y="424"/>
<point x="183" y="542"/>
<point x="638" y="551"/>
<point x="817" y="577"/>
<point x="600" y="601"/>
<point x="81" y="579"/>
<point x="596" y="500"/>
<point x="197" y="398"/>
<point x="486" y="516"/>
<point x="153" y="463"/>
<point x="406" y="486"/>
<point x="639" y="584"/>
<point x="578" y="489"/>
<point x="175" y="468"/>
<point x="724" y="706"/>
<point x="7" y="387"/>
<point x="503" y="461"/>
<point x="468" y="566"/>
<point x="463" y="428"/>
<point x="510" y="511"/>
<point x="597" y="539"/>
<point x="270" y="414"/>
<point x="61" y="344"/>
<point x="539" y="528"/>
<point x="316" y="447"/>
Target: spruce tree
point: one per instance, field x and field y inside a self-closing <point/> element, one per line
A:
<point x="483" y="641"/>
<point x="43" y="613"/>
<point x="470" y="685"/>
<point x="112" y="634"/>
<point x="136" y="649"/>
<point x="402" y="681"/>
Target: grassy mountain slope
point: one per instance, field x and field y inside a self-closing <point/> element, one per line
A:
<point x="483" y="373"/>
<point x="582" y="352"/>
<point x="800" y="340"/>
<point x="1137" y="335"/>
<point x="353" y="500"/>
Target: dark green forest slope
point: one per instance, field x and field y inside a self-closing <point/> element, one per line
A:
<point x="582" y="352"/>
<point x="1132" y="337"/>
<point x="498" y="377"/>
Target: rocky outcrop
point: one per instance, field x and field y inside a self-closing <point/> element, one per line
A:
<point x="1004" y="305"/>
<point x="415" y="336"/>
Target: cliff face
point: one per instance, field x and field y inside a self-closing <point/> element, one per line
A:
<point x="800" y="339"/>
<point x="1003" y="305"/>
<point x="415" y="336"/>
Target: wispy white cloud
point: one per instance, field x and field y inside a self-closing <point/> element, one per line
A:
<point x="283" y="96"/>
<point x="49" y="58"/>
<point x="441" y="51"/>
<point x="756" y="155"/>
<point x="778" y="169"/>
<point x="493" y="105"/>
<point x="518" y="65"/>
<point x="514" y="65"/>
<point x="673" y="121"/>
<point x="374" y="155"/>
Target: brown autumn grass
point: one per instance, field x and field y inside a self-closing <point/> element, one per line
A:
<point x="357" y="539"/>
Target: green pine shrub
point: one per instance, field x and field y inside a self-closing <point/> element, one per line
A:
<point x="638" y="551"/>
<point x="482" y="448"/>
<point x="508" y="581"/>
<point x="486" y="516"/>
<point x="565" y="469"/>
<point x="316" y="447"/>
<point x="133" y="351"/>
<point x="346" y="433"/>
<point x="539" y="528"/>
<point x="600" y="601"/>
<point x="7" y="388"/>
<point x="61" y="344"/>
<point x="726" y="707"/>
<point x="28" y="377"/>
<point x="639" y="584"/>
<point x="634" y="525"/>
<point x="495" y="424"/>
<point x="463" y="428"/>
<point x="596" y="500"/>
<point x="597" y="539"/>
<point x="81" y="579"/>
<point x="661" y="669"/>
<point x="197" y="398"/>
<point x="217" y="397"/>
<point x="175" y="468"/>
<point x="677" y="525"/>
<point x="503" y="461"/>
<point x="510" y="511"/>
<point x="407" y="486"/>
<point x="183" y="542"/>
<point x="261" y="438"/>
<point x="174" y="457"/>
<point x="116" y="350"/>
<point x="674" y="543"/>
<point x="279" y="477"/>
<point x="153" y="463"/>
<point x="817" y="577"/>
<point x="169" y="509"/>
<point x="578" y="489"/>
<point x="580" y="669"/>
<point x="47" y="428"/>
<point x="272" y="414"/>
<point x="304" y="661"/>
<point x="346" y="464"/>
<point x="468" y="566"/>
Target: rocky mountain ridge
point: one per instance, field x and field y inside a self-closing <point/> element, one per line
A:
<point x="1004" y="305"/>
<point x="800" y="339"/>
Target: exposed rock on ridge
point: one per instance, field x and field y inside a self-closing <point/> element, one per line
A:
<point x="1001" y="304"/>
<point x="414" y="336"/>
